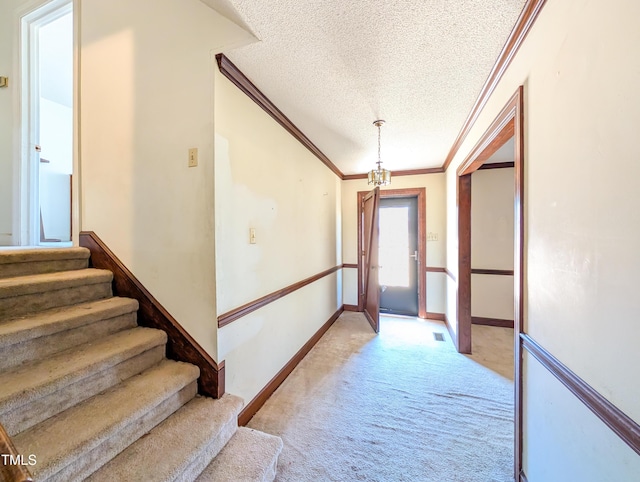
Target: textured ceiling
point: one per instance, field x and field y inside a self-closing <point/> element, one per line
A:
<point x="334" y="66"/>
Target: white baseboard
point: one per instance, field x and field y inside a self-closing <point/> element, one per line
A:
<point x="6" y="240"/>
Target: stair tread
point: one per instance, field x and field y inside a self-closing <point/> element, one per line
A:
<point x="61" y="439"/>
<point x="36" y="283"/>
<point x="34" y="380"/>
<point x="250" y="456"/>
<point x="170" y="448"/>
<point x="35" y="325"/>
<point x="42" y="254"/>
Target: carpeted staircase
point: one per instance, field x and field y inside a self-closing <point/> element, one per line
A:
<point x="91" y="394"/>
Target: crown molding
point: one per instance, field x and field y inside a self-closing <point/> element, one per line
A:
<point x="522" y="27"/>
<point x="408" y="172"/>
<point x="235" y="75"/>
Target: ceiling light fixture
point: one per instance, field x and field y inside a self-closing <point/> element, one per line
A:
<point x="379" y="176"/>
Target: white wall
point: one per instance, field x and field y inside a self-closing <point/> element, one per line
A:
<point x="10" y="11"/>
<point x="146" y="98"/>
<point x="492" y="235"/>
<point x="580" y="68"/>
<point x="267" y="180"/>
<point x="435" y="211"/>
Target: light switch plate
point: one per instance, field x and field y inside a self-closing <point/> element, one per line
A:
<point x="252" y="236"/>
<point x="193" y="157"/>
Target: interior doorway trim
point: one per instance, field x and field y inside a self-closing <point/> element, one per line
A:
<point x="420" y="193"/>
<point x="26" y="219"/>
<point x="510" y="122"/>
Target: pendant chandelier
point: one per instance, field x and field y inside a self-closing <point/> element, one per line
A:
<point x="379" y="176"/>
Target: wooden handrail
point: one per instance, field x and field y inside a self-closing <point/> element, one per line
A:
<point x="11" y="472"/>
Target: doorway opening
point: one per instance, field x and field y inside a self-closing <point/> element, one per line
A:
<point x="492" y="240"/>
<point x="509" y="124"/>
<point x="401" y="270"/>
<point x="47" y="125"/>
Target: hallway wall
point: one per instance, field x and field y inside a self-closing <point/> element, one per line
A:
<point x="265" y="179"/>
<point x="434" y="185"/>
<point x="146" y="98"/>
<point x="10" y="150"/>
<point x="580" y="71"/>
<point x="10" y="12"/>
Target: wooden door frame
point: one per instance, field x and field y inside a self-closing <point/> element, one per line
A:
<point x="420" y="194"/>
<point x="509" y="123"/>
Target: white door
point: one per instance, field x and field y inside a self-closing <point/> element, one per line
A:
<point x="48" y="33"/>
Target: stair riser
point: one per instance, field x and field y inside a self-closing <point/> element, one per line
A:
<point x="41" y="267"/>
<point x="30" y="414"/>
<point x="89" y="459"/>
<point x="31" y="303"/>
<point x="42" y="347"/>
<point x="208" y="454"/>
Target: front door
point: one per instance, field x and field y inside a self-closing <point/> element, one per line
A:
<point x="371" y="288"/>
<point x="398" y="256"/>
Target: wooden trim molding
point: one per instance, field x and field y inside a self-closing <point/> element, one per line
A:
<point x="435" y="316"/>
<point x="498" y="272"/>
<point x="180" y="345"/>
<point x="463" y="328"/>
<point x="518" y="272"/>
<point x="431" y="269"/>
<point x="235" y="75"/>
<point x="263" y="395"/>
<point x="450" y="274"/>
<point x="350" y="265"/>
<point x="351" y="308"/>
<point x="522" y="27"/>
<point x="497" y="165"/>
<point x="614" y="418"/>
<point x="353" y="177"/>
<point x="9" y="471"/>
<point x="480" y="320"/>
<point x="408" y="172"/>
<point x="523" y="477"/>
<point x="252" y="306"/>
<point x="417" y="172"/>
<point x="500" y="131"/>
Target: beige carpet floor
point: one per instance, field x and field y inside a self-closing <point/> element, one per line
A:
<point x="399" y="406"/>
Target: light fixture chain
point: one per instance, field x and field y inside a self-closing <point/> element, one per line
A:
<point x="379" y="161"/>
<point x="379" y="176"/>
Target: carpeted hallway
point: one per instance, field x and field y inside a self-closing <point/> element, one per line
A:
<point x="399" y="406"/>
